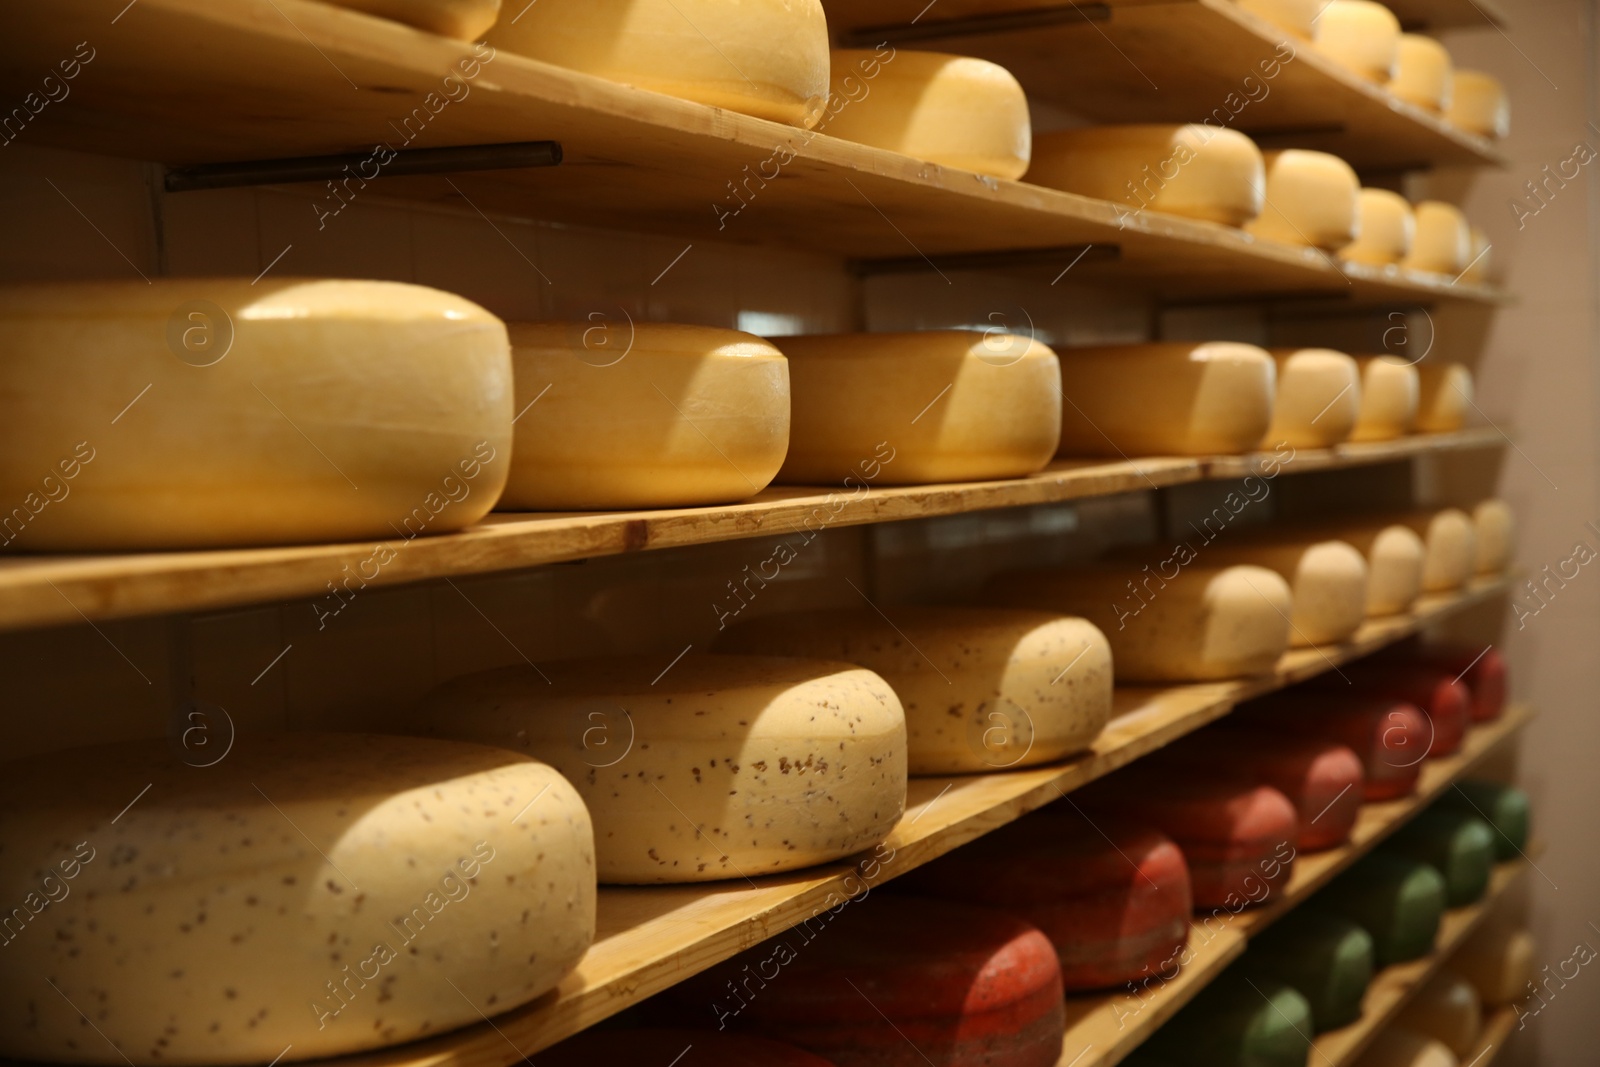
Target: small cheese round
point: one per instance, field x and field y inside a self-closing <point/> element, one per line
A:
<point x="1457" y="844"/>
<point x="1318" y="398"/>
<point x="1200" y="172"/>
<point x="1444" y="398"/>
<point x="1165" y="399"/>
<point x="1446" y="1009"/>
<point x="1450" y="548"/>
<point x="329" y="892"/>
<point x="1390" y="737"/>
<point x="215" y="412"/>
<point x="1298" y="17"/>
<point x="1387" y="228"/>
<point x="767" y="58"/>
<point x="1479" y="104"/>
<point x="1327" y="580"/>
<point x="1394" y="554"/>
<point x="1238" y="1021"/>
<point x="1312" y="199"/>
<point x="464" y="20"/>
<point x="1390" y="389"/>
<point x="1443" y="243"/>
<point x="1399" y="901"/>
<point x="1505" y="806"/>
<point x="1498" y="960"/>
<point x="914" y="408"/>
<point x="1479" y="267"/>
<point x="983" y="689"/>
<point x="1395" y="1046"/>
<point x="643" y="416"/>
<point x="1422" y="73"/>
<point x="1494" y="529"/>
<point x="1361" y="35"/>
<point x="1323" y="779"/>
<point x="955" y="111"/>
<point x="1327" y="958"/>
<point x="708" y="767"/>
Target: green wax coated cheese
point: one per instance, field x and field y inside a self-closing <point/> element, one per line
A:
<point x="1398" y="901"/>
<point x="1238" y="1021"/>
<point x="1457" y="844"/>
<point x="1506" y="808"/>
<point x="1326" y="958"/>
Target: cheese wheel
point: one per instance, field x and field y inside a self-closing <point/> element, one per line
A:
<point x="1395" y="557"/>
<point x="1396" y="1046"/>
<point x="1313" y="199"/>
<point x="1322" y="779"/>
<point x="319" y="891"/>
<point x="1460" y="846"/>
<point x="1504" y="807"/>
<point x="1422" y="73"/>
<point x="464" y="20"/>
<point x="722" y="767"/>
<point x="1238" y="1021"/>
<point x="694" y="1048"/>
<point x="914" y="408"/>
<point x="1444" y="397"/>
<point x="1318" y="397"/>
<point x="1478" y="267"/>
<point x="1399" y="901"/>
<point x="1450" y="549"/>
<point x="1482" y="669"/>
<point x="1390" y="737"/>
<point x="955" y="111"/>
<point x="1327" y="583"/>
<point x="1443" y="699"/>
<point x="767" y="58"/>
<point x="1494" y="533"/>
<point x="1200" y="172"/>
<point x="1479" y="104"/>
<point x="983" y="689"/>
<point x="1327" y="959"/>
<point x="1498" y="959"/>
<point x="1385" y="229"/>
<point x="1298" y="17"/>
<point x="1445" y="1009"/>
<point x="1165" y="399"/>
<point x="1443" y="242"/>
<point x="643" y="416"/>
<point x="1390" y="392"/>
<point x="1206" y="623"/>
<point x="1361" y="35"/>
<point x="215" y="412"/>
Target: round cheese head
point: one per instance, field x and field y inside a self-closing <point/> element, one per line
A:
<point x="623" y="415"/>
<point x="1165" y="399"/>
<point x="1457" y="844"/>
<point x="1238" y="1020"/>
<point x="1361" y="35"/>
<point x="712" y="767"/>
<point x="914" y="408"/>
<point x="1200" y="172"/>
<point x="1387" y="228"/>
<point x="1298" y="17"/>
<point x="1444" y="397"/>
<point x="464" y="20"/>
<point x="1318" y="398"/>
<point x="1443" y="244"/>
<point x="1396" y="1046"/>
<point x="983" y="689"/>
<point x="1399" y="901"/>
<point x="212" y="412"/>
<point x="1478" y="104"/>
<point x="1498" y="960"/>
<point x="767" y="58"/>
<point x="1327" y="581"/>
<point x="1326" y="958"/>
<point x="1422" y="73"/>
<point x="1478" y="268"/>
<point x="955" y="111"/>
<point x="1446" y="1009"/>
<point x="1390" y="388"/>
<point x="1312" y="200"/>
<point x="326" y="892"/>
<point x="1450" y="550"/>
<point x="1494" y="529"/>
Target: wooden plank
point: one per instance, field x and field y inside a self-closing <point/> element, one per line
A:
<point x="1497" y="1030"/>
<point x="1435" y="15"/>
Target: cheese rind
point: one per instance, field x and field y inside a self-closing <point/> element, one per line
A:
<point x="1318" y="397"/>
<point x="1400" y="902"/>
<point x="1312" y="199"/>
<point x="1326" y="958"/>
<point x="1327" y="579"/>
<point x="1479" y="104"/>
<point x="1235" y="1022"/>
<point x="1298" y="17"/>
<point x="1443" y="244"/>
<point x="723" y="767"/>
<point x="1444" y="397"/>
<point x="1395" y="556"/>
<point x="1449" y="548"/>
<point x="767" y="58"/>
<point x="1494" y="531"/>
<point x="1362" y="35"/>
<point x="1459" y="845"/>
<point x="319" y="891"/>
<point x="956" y="111"/>
<point x="643" y="416"/>
<point x="1446" y="1009"/>
<point x="1390" y="393"/>
<point x="464" y="20"/>
<point x="1498" y="960"/>
<point x="1396" y="1046"/>
<point x="1385" y="231"/>
<point x="1422" y="73"/>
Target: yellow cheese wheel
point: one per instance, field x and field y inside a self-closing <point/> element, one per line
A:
<point x="1386" y="229"/>
<point x="1494" y="531"/>
<point x="1444" y="397"/>
<point x="464" y="20"/>
<point x="767" y="58"/>
<point x="1390" y="391"/>
<point x="1361" y="35"/>
<point x="201" y="413"/>
<point x="913" y="408"/>
<point x="983" y="688"/>
<point x="1313" y="199"/>
<point x="1395" y="557"/>
<point x="704" y="767"/>
<point x="1395" y="1046"/>
<point x="645" y="415"/>
<point x="1166" y="621"/>
<point x="1165" y="399"/>
<point x="1477" y="270"/>
<point x="1200" y="172"/>
<point x="1478" y="104"/>
<point x="1422" y="73"/>
<point x="1443" y="243"/>
<point x="1446" y="1009"/>
<point x="956" y="111"/>
<point x="1450" y="550"/>
<point x="1318" y="397"/>
<point x="1498" y="959"/>
<point x="1327" y="579"/>
<point x="298" y="896"/>
<point x="1298" y="17"/>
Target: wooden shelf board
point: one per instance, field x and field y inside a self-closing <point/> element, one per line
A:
<point x="1435" y="15"/>
<point x="50" y="590"/>
<point x="1497" y="1030"/>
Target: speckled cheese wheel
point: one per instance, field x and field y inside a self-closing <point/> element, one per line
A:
<point x="1498" y="959"/>
<point x="1494" y="530"/>
<point x="1238" y="1022"/>
<point x="1327" y="582"/>
<point x="1482" y="669"/>
<point x="1318" y="397"/>
<point x="1298" y="17"/>
<point x="1386" y="230"/>
<point x="956" y="111"/>
<point x="464" y="20"/>
<point x="1443" y="242"/>
<point x="645" y="415"/>
<point x="305" y="896"/>
<point x="1395" y="558"/>
<point x="1398" y="901"/>
<point x="723" y="767"/>
<point x="1450" y="548"/>
<point x="1361" y="35"/>
<point x="1478" y="104"/>
<point x="1444" y="398"/>
<point x="1313" y="200"/>
<point x="983" y="689"/>
<point x="1322" y="779"/>
<point x="1199" y="172"/>
<point x="204" y="413"/>
<point x="1504" y="806"/>
<point x="1389" y="397"/>
<point x="1446" y="1009"/>
<point x="1460" y="846"/>
<point x="1327" y="959"/>
<point x="693" y="1048"/>
<point x="1395" y="1046"/>
<point x="1208" y="623"/>
<point x="1422" y="73"/>
<point x="1390" y="737"/>
<point x="1165" y="399"/>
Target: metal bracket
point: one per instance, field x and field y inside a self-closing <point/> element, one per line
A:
<point x="975" y="26"/>
<point x="1007" y="259"/>
<point x="513" y="156"/>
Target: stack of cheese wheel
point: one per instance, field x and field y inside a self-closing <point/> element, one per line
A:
<point x="1397" y="1046"/>
<point x="1298" y="17"/>
<point x="1443" y="241"/>
<point x="1205" y="623"/>
<point x="234" y="413"/>
<point x="767" y="58"/>
<point x="1318" y="398"/>
<point x="1165" y="399"/>
<point x="1458" y="845"/>
<point x="1482" y="669"/>
<point x="1390" y="737"/>
<point x="1444" y="398"/>
<point x="1390" y="393"/>
<point x="1443" y="699"/>
<point x="692" y="1048"/>
<point x="1395" y="558"/>
<point x="1236" y="1021"/>
<point x="643" y="416"/>
<point x="1312" y="199"/>
<point x="920" y="407"/>
<point x="708" y="767"/>
<point x="1398" y="901"/>
<point x="1450" y="550"/>
<point x="983" y="688"/>
<point x="1386" y="230"/>
<point x="1445" y="1009"/>
<point x="461" y="19"/>
<point x="1325" y="958"/>
<point x="1498" y="959"/>
<point x="1504" y="807"/>
<point x="956" y="111"/>
<point x="1422" y="73"/>
<point x="1199" y="172"/>
<point x="1361" y="35"/>
<point x="1113" y="896"/>
<point x="1479" y="104"/>
<point x="1494" y="530"/>
<point x="202" y="910"/>
<point x="1327" y="579"/>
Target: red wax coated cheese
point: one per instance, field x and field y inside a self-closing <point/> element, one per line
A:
<point x="1390" y="737"/>
<point x="692" y="1048"/>
<point x="1443" y="701"/>
<point x="1482" y="669"/>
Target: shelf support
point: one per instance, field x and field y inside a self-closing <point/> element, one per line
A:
<point x="515" y="155"/>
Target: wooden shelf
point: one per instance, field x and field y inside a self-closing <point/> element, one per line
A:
<point x="194" y="81"/>
<point x="1434" y="15"/>
<point x="50" y="590"/>
<point x="1497" y="1030"/>
<point x="1177" y="61"/>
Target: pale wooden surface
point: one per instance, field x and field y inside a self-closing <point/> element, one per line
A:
<point x="1497" y="1029"/>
